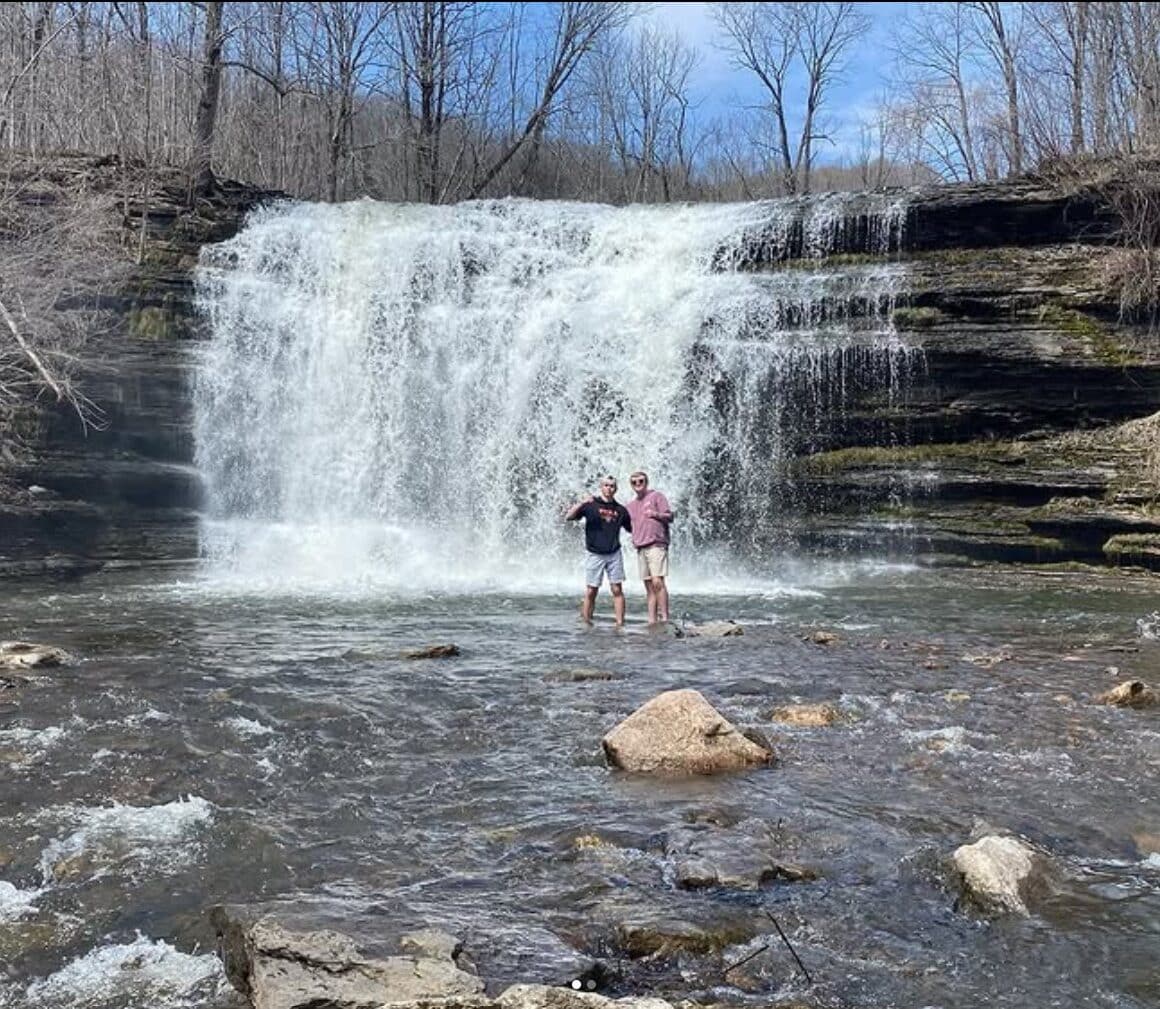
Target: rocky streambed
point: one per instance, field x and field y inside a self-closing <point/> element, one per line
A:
<point x="954" y="812"/>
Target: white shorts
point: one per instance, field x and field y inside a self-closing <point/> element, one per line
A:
<point x="653" y="562"/>
<point x="597" y="565"/>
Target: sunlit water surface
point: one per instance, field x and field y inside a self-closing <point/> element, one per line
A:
<point x="216" y="744"/>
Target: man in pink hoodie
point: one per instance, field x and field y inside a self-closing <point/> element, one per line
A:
<point x="651" y="515"/>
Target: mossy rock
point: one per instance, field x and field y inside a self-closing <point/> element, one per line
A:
<point x="921" y="317"/>
<point x="880" y="456"/>
<point x="1098" y="337"/>
<point x="151" y="323"/>
<point x="1134" y="547"/>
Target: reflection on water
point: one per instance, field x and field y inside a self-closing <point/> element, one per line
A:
<point x="225" y="746"/>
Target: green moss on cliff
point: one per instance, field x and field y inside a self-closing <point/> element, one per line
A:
<point x="917" y="318"/>
<point x="150" y="323"/>
<point x="873" y="457"/>
<point x="1099" y="338"/>
<point x="1132" y="547"/>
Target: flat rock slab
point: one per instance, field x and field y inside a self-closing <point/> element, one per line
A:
<point x="530" y="996"/>
<point x="281" y="969"/>
<point x="679" y="732"/>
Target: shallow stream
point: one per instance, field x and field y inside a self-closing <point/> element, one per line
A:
<point x="218" y="745"/>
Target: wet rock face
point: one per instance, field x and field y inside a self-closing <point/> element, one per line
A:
<point x="126" y="490"/>
<point x="679" y="732"/>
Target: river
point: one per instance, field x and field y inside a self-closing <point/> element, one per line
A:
<point x="217" y="744"/>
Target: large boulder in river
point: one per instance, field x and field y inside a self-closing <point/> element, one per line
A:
<point x="679" y="732"/>
<point x="1000" y="873"/>
<point x="25" y="655"/>
<point x="281" y="969"/>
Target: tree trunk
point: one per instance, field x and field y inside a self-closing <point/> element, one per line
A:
<point x="1078" y="62"/>
<point x="201" y="178"/>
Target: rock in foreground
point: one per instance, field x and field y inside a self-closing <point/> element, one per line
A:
<point x="281" y="969"/>
<point x="679" y="732"/>
<point x="25" y="655"/>
<point x="1000" y="872"/>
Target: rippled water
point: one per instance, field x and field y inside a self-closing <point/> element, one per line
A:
<point x="216" y="745"/>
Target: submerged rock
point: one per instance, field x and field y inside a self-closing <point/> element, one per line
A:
<point x="679" y="732"/>
<point x="1147" y="843"/>
<point x="1130" y="694"/>
<point x="1000" y="873"/>
<point x="580" y="675"/>
<point x="820" y="637"/>
<point x="746" y="856"/>
<point x="806" y="715"/>
<point x="280" y="969"/>
<point x="431" y="652"/>
<point x="26" y="655"/>
<point x="713" y="629"/>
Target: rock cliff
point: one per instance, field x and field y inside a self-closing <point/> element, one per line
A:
<point x="75" y="498"/>
<point x="1023" y="430"/>
<point x="1017" y="434"/>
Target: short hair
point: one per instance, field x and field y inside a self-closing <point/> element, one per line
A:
<point x="608" y="478"/>
<point x="639" y="472"/>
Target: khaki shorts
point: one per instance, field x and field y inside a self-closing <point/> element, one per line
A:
<point x="653" y="562"/>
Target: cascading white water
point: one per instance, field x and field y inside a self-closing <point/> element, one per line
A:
<point x="410" y="396"/>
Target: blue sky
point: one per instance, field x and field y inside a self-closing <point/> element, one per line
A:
<point x="722" y="87"/>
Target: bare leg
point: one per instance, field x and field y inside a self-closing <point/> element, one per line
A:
<point x="652" y="600"/>
<point x="588" y="603"/>
<point x="618" y="602"/>
<point x="661" y="594"/>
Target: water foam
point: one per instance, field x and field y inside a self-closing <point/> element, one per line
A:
<point x="32" y="742"/>
<point x="153" y="837"/>
<point x="401" y="396"/>
<point x="15" y="903"/>
<point x="144" y="972"/>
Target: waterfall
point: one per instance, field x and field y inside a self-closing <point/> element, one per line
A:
<point x="410" y="395"/>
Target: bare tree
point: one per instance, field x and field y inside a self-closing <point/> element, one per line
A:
<point x="53" y="254"/>
<point x="1000" y="38"/>
<point x="447" y="56"/>
<point x="932" y="58"/>
<point x="640" y="83"/>
<point x="576" y="30"/>
<point x="201" y="178"/>
<point x="771" y="40"/>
